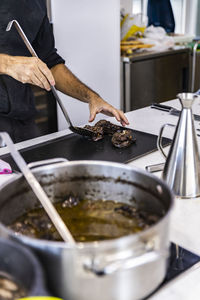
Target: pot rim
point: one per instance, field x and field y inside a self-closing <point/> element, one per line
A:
<point x="106" y="243"/>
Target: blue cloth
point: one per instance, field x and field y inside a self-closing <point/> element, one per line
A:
<point x="160" y="13"/>
<point x="16" y="98"/>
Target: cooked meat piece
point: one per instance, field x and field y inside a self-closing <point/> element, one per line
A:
<point x="122" y="139"/>
<point x="101" y="123"/>
<point x="108" y="127"/>
<point x="98" y="132"/>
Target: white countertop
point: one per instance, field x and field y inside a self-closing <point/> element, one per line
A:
<point x="185" y="219"/>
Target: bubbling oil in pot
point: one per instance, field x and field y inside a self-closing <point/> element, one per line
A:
<point x="87" y="220"/>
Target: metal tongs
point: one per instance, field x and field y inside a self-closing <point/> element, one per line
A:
<point x="75" y="129"/>
<point x="38" y="191"/>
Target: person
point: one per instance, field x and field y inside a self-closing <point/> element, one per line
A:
<point x="18" y="70"/>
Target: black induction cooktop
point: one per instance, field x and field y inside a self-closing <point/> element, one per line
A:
<point x="76" y="147"/>
<point x="179" y="261"/>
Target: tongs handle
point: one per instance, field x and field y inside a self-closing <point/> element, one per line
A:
<point x="34" y="54"/>
<point x="61" y="106"/>
<point x="161" y="107"/>
<point x="38" y="190"/>
<point x="155" y="168"/>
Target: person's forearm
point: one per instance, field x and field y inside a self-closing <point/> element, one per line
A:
<point x="4" y="62"/>
<point x="69" y="84"/>
<point x="27" y="70"/>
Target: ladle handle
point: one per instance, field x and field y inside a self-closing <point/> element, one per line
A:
<point x="34" y="54"/>
<point x="159" y="140"/>
<point x="38" y="190"/>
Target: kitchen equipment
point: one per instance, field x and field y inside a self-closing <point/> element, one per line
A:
<point x="113" y="269"/>
<point x="177" y="269"/>
<point x="148" y="77"/>
<point x="171" y="110"/>
<point x="23" y="266"/>
<point x="182" y="168"/>
<point x="185" y="274"/>
<point x="38" y="191"/>
<point x="155" y="167"/>
<point x="75" y="129"/>
<point x="75" y="147"/>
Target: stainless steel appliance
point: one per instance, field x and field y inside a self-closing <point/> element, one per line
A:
<point x="154" y="77"/>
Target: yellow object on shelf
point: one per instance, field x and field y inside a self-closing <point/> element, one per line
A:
<point x="134" y="29"/>
<point x="128" y="47"/>
<point x="123" y="20"/>
<point x="133" y="24"/>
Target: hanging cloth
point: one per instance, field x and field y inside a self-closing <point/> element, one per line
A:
<point x="160" y="13"/>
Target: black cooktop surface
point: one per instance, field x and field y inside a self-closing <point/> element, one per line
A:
<point x="75" y="147"/>
<point x="179" y="261"/>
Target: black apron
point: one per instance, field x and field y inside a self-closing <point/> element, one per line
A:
<point x="17" y="105"/>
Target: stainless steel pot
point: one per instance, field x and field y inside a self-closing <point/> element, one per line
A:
<point x="126" y="268"/>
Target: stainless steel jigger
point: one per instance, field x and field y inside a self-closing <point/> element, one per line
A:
<point x="182" y="167"/>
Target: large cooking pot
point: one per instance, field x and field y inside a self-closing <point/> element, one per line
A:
<point x="125" y="268"/>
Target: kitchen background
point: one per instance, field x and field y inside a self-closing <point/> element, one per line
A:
<point x="87" y="34"/>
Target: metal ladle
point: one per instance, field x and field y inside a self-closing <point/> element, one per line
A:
<point x="38" y="191"/>
<point x="75" y="129"/>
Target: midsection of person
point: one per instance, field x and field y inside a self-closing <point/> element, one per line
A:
<point x="17" y="106"/>
<point x="18" y="70"/>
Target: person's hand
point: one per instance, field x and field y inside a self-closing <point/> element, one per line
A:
<point x="30" y="70"/>
<point x="98" y="105"/>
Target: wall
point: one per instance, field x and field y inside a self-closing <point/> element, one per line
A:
<point x="87" y="35"/>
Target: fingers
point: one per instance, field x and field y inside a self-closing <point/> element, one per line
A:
<point x="46" y="72"/>
<point x="44" y="83"/>
<point x="44" y="75"/>
<point x="92" y="115"/>
<point x="36" y="81"/>
<point x="108" y="110"/>
<point x="123" y="119"/>
<point x="31" y="70"/>
<point x="118" y="114"/>
<point x="120" y="117"/>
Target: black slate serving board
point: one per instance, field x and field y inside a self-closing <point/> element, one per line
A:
<point x="75" y="147"/>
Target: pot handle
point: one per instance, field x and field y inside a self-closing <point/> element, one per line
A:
<point x="44" y="162"/>
<point x="159" y="140"/>
<point x="125" y="264"/>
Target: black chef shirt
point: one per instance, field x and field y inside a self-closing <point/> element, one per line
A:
<point x="16" y="98"/>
